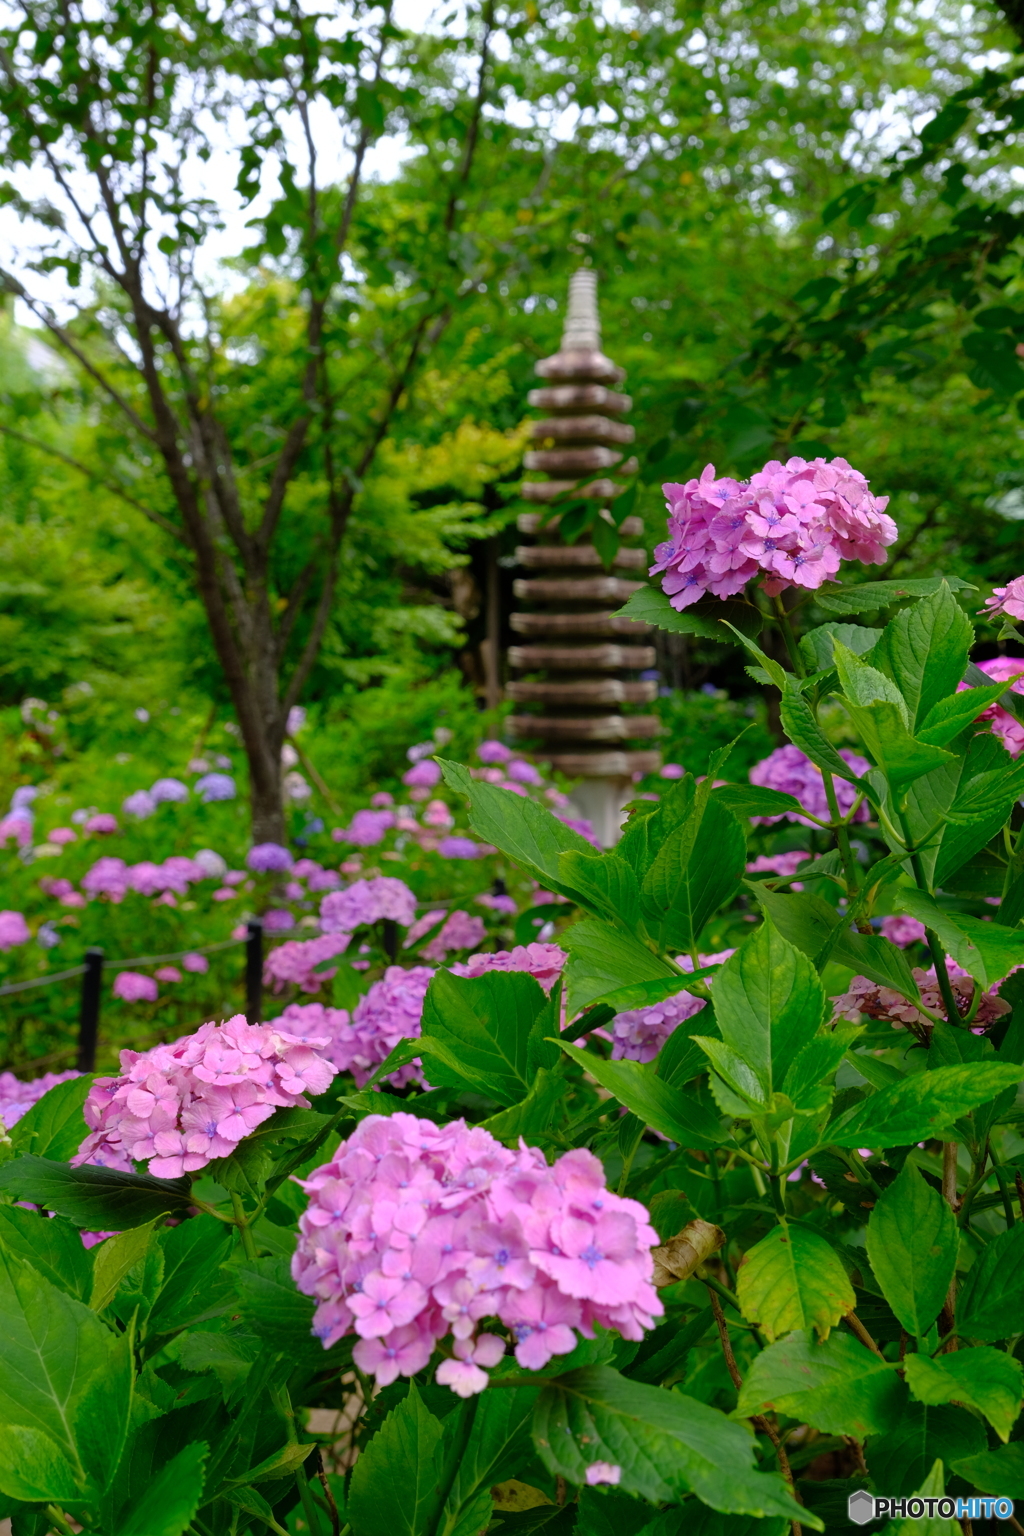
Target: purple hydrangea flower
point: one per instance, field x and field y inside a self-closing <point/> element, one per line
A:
<point x="169" y="790"/>
<point x="368" y="828"/>
<point x="216" y="786"/>
<point x="367" y="901"/>
<point x="493" y="752"/>
<point x="17" y="1098"/>
<point x="423" y="775"/>
<point x="140" y="805"/>
<point x="523" y="772"/>
<point x="269" y="858"/>
<point x="459" y="848"/>
<point x="789" y="770"/>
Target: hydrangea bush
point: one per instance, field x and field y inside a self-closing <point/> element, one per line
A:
<point x="674" y="1187"/>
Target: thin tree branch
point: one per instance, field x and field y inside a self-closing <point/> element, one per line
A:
<point x="473" y="130"/>
<point x="92" y="474"/>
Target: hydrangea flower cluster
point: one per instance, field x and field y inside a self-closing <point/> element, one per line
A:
<point x="792" y="524"/>
<point x="17" y="1098"/>
<point x="1006" y="602"/>
<point x="297" y="959"/>
<point x="415" y="1232"/>
<point x="134" y="987"/>
<point x="13" y="930"/>
<point x="179" y="1106"/>
<point x="999" y="720"/>
<point x="367" y="901"/>
<point x="391" y="1011"/>
<point x="368" y="827"/>
<point x="866" y="996"/>
<point x="544" y="962"/>
<point x="789" y="770"/>
<point x="902" y="930"/>
<point x="460" y="931"/>
<point x="269" y="858"/>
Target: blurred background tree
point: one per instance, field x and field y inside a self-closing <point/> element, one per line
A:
<point x="801" y="214"/>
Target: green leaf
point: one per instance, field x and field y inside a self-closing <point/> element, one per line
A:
<point x="835" y="1385"/>
<point x="709" y="620"/>
<point x="383" y="1503"/>
<point x="273" y="1308"/>
<point x="497" y="1446"/>
<point x="924" y="649"/>
<point x="901" y="1458"/>
<point x="171" y="1499"/>
<point x="669" y="1110"/>
<point x="934" y="1486"/>
<point x="193" y="1285"/>
<point x="606" y="882"/>
<point x="921" y="1106"/>
<point x="754" y="800"/>
<point x="33" y="1468"/>
<point x="809" y="923"/>
<point x="912" y="1243"/>
<point x="54" y="1126"/>
<point x="816" y="645"/>
<point x="113" y="1260"/>
<point x="642" y="994"/>
<point x="477" y="1031"/>
<point x="603" y="959"/>
<point x="880" y="713"/>
<point x="769" y="1003"/>
<point x="278" y="1464"/>
<point x="983" y="1378"/>
<point x="50" y="1245"/>
<point x="803" y="730"/>
<point x="100" y="1199"/>
<point x="666" y="1444"/>
<point x="65" y="1382"/>
<point x="986" y="951"/>
<point x="929" y="799"/>
<point x="699" y="867"/>
<point x="521" y="828"/>
<point x="532" y="1116"/>
<point x="809" y="1080"/>
<point x="869" y="596"/>
<point x="793" y="1279"/>
<point x="947" y="718"/>
<point x="1000" y="1471"/>
<point x="993" y="1293"/>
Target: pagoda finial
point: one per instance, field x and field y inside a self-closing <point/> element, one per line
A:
<point x="582" y="323"/>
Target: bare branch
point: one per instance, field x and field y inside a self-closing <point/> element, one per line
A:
<point x="91" y="474"/>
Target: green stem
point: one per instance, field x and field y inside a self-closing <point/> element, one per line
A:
<point x="932" y="939"/>
<point x="242" y="1223"/>
<point x="841" y="832"/>
<point x="1004" y="1190"/>
<point x="790" y="638"/>
<point x="281" y="1399"/>
<point x="776" y="1189"/>
<point x="723" y="1290"/>
<point x="55" y="1517"/>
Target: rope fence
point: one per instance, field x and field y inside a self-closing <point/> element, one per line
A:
<point x="95" y="964"/>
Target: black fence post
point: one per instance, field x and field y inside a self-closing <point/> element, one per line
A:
<point x="89" y="1012"/>
<point x="390" y="939"/>
<point x="254" y="971"/>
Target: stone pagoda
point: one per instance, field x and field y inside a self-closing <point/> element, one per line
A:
<point x="578" y="663"/>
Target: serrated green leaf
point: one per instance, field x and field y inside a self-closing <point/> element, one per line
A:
<point x="987" y="951"/>
<point x="699" y="867"/>
<point x="793" y="1279"/>
<point x="869" y="596"/>
<point x="100" y="1199"/>
<point x="835" y="1385"/>
<point x="52" y="1246"/>
<point x="993" y="1293"/>
<point x="769" y="1002"/>
<point x="383" y="1504"/>
<point x="603" y="959"/>
<point x="672" y="1111"/>
<point x="709" y="620"/>
<point x="912" y="1243"/>
<point x="666" y="1444"/>
<point x="1000" y="1471"/>
<point x="924" y="649"/>
<point x="272" y="1306"/>
<point x="880" y="713"/>
<point x="55" y="1126"/>
<point x="522" y="829"/>
<point x="902" y="1457"/>
<point x="606" y="882"/>
<point x="984" y="1378"/>
<point x="921" y="1106"/>
<point x="814" y="927"/>
<point x="755" y="800"/>
<point x="477" y="1032"/>
<point x="114" y="1259"/>
<point x="948" y="717"/>
<point x="170" y="1500"/>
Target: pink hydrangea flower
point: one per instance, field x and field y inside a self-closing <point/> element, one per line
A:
<point x="179" y="1106"/>
<point x="391" y="1011"/>
<point x="18" y="827"/>
<point x="168" y="973"/>
<point x="17" y="1098"/>
<point x="367" y="828"/>
<point x="1007" y="602"/>
<point x="493" y="752"/>
<point x="62" y="836"/>
<point x="638" y="1034"/>
<point x="197" y="964"/>
<point x="789" y="770"/>
<point x="367" y="901"/>
<point x="867" y="997"/>
<point x="133" y="987"/>
<point x="422" y="775"/>
<point x="783" y="864"/>
<point x="497" y="903"/>
<point x="415" y="1232"/>
<point x="13" y="930"/>
<point x="902" y="930"/>
<point x="103" y="824"/>
<point x="107" y="877"/>
<point x="792" y="524"/>
<point x="461" y="931"/>
<point x="296" y="961"/>
<point x="544" y="962"/>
